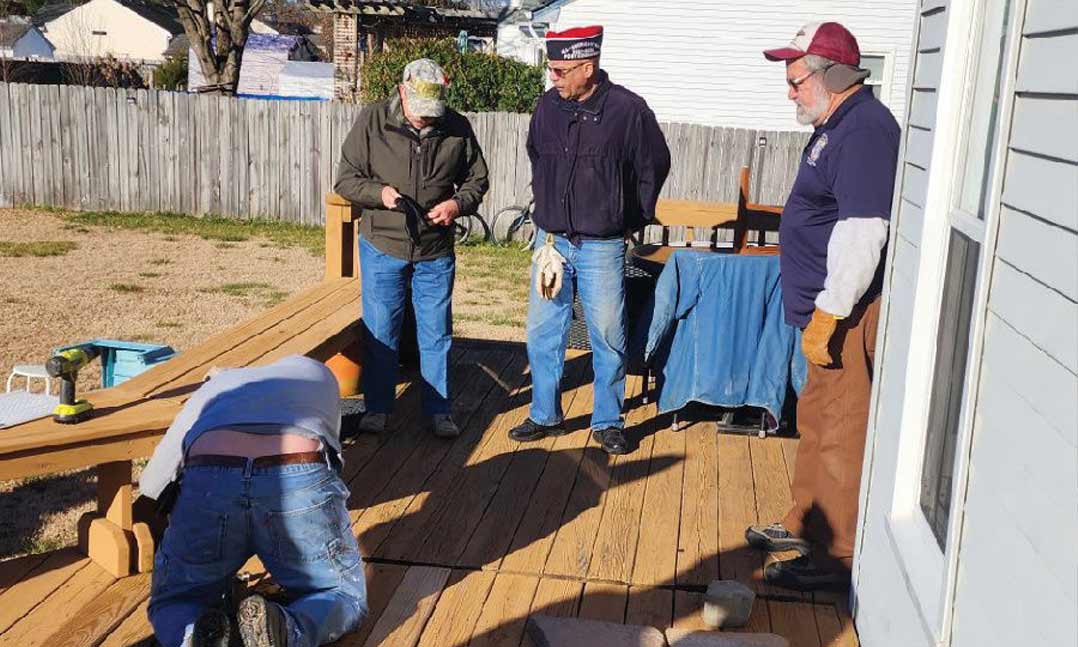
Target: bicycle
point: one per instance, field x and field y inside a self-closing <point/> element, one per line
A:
<point x="515" y="220"/>
<point x="464" y="227"/>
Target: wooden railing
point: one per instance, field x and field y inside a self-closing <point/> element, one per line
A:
<point x="131" y="418"/>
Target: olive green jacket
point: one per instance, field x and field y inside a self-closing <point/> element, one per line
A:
<point x="443" y="161"/>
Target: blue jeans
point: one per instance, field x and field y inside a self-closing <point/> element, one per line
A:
<point x="385" y="279"/>
<point x="293" y="517"/>
<point x="598" y="267"/>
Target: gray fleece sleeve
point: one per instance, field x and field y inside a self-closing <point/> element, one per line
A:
<point x="853" y="253"/>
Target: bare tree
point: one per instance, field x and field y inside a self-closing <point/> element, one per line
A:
<point x="218" y="32"/>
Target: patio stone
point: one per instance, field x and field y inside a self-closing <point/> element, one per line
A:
<point x="689" y="638"/>
<point x="546" y="631"/>
<point x="727" y="603"/>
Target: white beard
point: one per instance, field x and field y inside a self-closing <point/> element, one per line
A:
<point x="807" y="115"/>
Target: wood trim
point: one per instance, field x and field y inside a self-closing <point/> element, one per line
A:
<point x="689" y="213"/>
<point x="341" y="216"/>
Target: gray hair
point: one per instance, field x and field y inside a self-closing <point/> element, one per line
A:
<point x="815" y="62"/>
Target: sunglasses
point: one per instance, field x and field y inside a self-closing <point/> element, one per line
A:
<point x="795" y="84"/>
<point x="559" y="72"/>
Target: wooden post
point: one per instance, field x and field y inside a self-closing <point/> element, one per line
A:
<point x="341" y="260"/>
<point x="106" y="536"/>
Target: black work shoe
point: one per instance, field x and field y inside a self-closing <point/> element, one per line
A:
<point x="261" y="623"/>
<point x="775" y="539"/>
<point x="530" y="430"/>
<point x="612" y="439"/>
<point x="212" y="629"/>
<point x="803" y="574"/>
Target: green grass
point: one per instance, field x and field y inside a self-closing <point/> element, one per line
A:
<point x="169" y="324"/>
<point x="161" y="261"/>
<point x="225" y="245"/>
<point x="237" y="289"/>
<point x="39" y="248"/>
<point x="224" y="230"/>
<point x="150" y="275"/>
<point x="37" y="544"/>
<point x="491" y="318"/>
<point x="130" y="288"/>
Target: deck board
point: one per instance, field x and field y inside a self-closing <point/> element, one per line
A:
<point x="467" y="538"/>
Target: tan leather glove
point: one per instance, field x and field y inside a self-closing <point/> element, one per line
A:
<point x="817" y="336"/>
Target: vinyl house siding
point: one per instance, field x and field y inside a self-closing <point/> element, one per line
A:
<point x="1017" y="567"/>
<point x="701" y="62"/>
<point x="127" y="34"/>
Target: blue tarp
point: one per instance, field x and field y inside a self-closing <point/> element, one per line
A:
<point x="717" y="335"/>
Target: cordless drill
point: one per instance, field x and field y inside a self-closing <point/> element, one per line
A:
<point x="65" y="365"/>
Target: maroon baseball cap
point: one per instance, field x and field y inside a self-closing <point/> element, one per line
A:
<point x="827" y="39"/>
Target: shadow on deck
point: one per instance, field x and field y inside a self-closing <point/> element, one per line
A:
<point x="467" y="538"/>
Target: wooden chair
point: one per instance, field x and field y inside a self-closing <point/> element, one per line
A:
<point x="743" y="217"/>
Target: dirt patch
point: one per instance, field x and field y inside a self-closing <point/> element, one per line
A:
<point x="175" y="289"/>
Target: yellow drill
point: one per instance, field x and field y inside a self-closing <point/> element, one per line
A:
<point x="65" y="365"/>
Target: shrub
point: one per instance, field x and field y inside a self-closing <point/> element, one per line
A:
<point x="479" y="82"/>
<point x="171" y="75"/>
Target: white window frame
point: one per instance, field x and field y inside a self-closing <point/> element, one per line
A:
<point x="886" y="82"/>
<point x="931" y="572"/>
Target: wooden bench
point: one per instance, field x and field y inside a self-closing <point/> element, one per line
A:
<point x="743" y="217"/>
<point x="130" y="419"/>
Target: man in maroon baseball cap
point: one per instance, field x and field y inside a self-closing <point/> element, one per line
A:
<point x="827" y="49"/>
<point x="833" y="230"/>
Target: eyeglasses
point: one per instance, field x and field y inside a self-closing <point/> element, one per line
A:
<point x="559" y="72"/>
<point x="795" y="84"/>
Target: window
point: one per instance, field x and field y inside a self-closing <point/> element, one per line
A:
<point x="952" y="355"/>
<point x="966" y="235"/>
<point x="960" y="204"/>
<point x="876" y="64"/>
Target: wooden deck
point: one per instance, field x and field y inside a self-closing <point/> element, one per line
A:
<point x="466" y="539"/>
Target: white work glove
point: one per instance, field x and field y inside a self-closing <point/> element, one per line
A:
<point x="549" y="269"/>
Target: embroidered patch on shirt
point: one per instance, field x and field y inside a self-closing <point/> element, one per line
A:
<point x="817" y="148"/>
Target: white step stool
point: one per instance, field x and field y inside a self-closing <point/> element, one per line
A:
<point x="29" y="372"/>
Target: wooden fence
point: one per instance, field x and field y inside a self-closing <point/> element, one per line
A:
<point x="155" y="151"/>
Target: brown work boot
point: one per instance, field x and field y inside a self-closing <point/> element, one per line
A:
<point x="262" y="623"/>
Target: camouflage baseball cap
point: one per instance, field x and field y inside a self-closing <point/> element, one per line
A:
<point x="424" y="88"/>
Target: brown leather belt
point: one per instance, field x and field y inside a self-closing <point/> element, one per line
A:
<point x="220" y="460"/>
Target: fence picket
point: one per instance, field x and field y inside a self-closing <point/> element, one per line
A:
<point x="199" y="154"/>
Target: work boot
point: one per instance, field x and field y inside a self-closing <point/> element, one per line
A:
<point x="775" y="538"/>
<point x="373" y="423"/>
<point x="529" y="430"/>
<point x="443" y="426"/>
<point x="612" y="439"/>
<point x="212" y="629"/>
<point x="262" y="623"/>
<point x="803" y="574"/>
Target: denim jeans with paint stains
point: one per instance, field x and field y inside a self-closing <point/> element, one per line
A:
<point x="293" y="517"/>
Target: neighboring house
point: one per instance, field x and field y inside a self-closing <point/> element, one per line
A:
<point x="19" y="38"/>
<point x="969" y="514"/>
<point x="275" y="65"/>
<point x="701" y="62"/>
<point x="361" y="27"/>
<point x="141" y="30"/>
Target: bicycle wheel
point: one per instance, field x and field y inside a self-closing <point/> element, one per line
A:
<point x="505" y="223"/>
<point x="478" y="228"/>
<point x="462" y="230"/>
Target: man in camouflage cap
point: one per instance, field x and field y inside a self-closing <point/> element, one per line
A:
<point x="413" y="166"/>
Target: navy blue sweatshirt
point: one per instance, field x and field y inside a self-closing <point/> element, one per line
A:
<point x="597" y="166"/>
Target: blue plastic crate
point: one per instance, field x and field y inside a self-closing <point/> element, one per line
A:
<point x="123" y="360"/>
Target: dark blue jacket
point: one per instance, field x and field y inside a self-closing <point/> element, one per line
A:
<point x="597" y="166"/>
